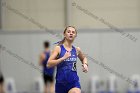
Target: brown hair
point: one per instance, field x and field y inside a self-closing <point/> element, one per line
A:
<point x="62" y="41"/>
<point x="46" y="44"/>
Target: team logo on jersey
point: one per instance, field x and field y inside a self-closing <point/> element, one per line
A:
<point x="71" y="59"/>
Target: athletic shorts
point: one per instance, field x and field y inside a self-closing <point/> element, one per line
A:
<point x="47" y="78"/>
<point x="65" y="87"/>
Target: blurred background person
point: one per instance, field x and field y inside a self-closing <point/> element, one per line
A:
<point x="48" y="73"/>
<point x="1" y="83"/>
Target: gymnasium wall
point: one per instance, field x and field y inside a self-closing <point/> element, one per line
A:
<point x="52" y="14"/>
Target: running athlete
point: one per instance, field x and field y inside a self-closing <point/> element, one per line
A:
<point x="64" y="56"/>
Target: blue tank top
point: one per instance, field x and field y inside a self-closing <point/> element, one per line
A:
<point x="66" y="70"/>
<point x="47" y="71"/>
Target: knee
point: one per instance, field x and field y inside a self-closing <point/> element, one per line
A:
<point x="75" y="91"/>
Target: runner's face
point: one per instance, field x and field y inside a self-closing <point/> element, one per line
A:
<point x="70" y="34"/>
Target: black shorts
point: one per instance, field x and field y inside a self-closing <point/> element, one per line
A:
<point x="47" y="78"/>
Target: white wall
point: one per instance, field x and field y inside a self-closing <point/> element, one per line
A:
<point x="122" y="13"/>
<point x="108" y="47"/>
<point x="49" y="13"/>
<point x="52" y="14"/>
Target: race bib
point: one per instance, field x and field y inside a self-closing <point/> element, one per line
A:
<point x="74" y="67"/>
